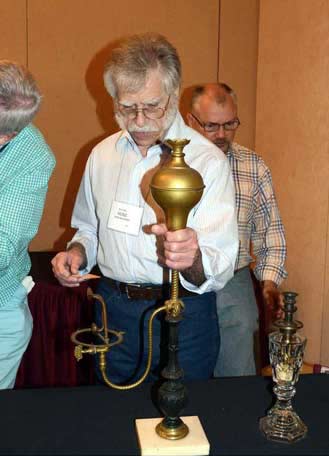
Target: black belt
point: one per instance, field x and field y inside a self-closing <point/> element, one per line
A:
<point x="143" y="291"/>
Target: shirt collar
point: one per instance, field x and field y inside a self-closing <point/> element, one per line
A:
<point x="176" y="129"/>
<point x="3" y="146"/>
<point x="235" y="151"/>
<point x="12" y="139"/>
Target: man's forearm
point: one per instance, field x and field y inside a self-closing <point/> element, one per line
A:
<point x="268" y="284"/>
<point x="195" y="274"/>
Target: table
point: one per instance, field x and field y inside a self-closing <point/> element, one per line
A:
<point x="96" y="420"/>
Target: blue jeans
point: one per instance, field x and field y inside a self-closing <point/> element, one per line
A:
<point x="198" y="336"/>
<point x="238" y="321"/>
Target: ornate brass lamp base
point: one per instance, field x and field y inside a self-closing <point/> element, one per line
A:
<point x="169" y="432"/>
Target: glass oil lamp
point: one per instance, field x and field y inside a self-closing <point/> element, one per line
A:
<point x="286" y="350"/>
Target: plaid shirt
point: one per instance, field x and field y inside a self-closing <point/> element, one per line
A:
<point x="260" y="226"/>
<point x="26" y="164"/>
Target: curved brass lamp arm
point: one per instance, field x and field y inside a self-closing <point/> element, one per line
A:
<point x="99" y="298"/>
<point x="101" y="350"/>
<point x="102" y="359"/>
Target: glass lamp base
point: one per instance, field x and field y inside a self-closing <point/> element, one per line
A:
<point x="283" y="426"/>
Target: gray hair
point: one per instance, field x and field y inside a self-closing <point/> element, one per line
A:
<point x="131" y="62"/>
<point x="19" y="97"/>
<point x="217" y="90"/>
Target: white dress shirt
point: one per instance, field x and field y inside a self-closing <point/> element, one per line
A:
<point x="116" y="170"/>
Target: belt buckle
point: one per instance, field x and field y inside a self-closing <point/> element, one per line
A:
<point x="127" y="286"/>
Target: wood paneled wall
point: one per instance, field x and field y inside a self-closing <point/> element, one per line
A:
<point x="13" y="23"/>
<point x="292" y="135"/>
<point x="238" y="54"/>
<point x="65" y="44"/>
<point x="274" y="53"/>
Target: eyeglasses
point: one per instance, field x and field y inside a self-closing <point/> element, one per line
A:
<point x="213" y="127"/>
<point x="150" y="112"/>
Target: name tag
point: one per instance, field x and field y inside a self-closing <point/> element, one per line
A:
<point x="125" y="218"/>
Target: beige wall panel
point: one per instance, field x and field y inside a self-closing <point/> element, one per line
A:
<point x="324" y="354"/>
<point x="69" y="41"/>
<point x="292" y="135"/>
<point x="238" y="52"/>
<point x="13" y="42"/>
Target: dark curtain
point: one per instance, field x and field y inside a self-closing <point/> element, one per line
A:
<point x="57" y="312"/>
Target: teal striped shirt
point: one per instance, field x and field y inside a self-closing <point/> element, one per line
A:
<point x="26" y="164"/>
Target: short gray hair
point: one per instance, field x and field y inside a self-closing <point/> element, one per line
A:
<point x="19" y="97"/>
<point x="131" y="62"/>
<point x="216" y="90"/>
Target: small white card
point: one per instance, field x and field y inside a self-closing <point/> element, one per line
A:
<point x="125" y="218"/>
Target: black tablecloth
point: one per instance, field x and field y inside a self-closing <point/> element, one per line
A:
<point x="100" y="421"/>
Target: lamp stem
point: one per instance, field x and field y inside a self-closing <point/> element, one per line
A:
<point x="174" y="284"/>
<point x="172" y="394"/>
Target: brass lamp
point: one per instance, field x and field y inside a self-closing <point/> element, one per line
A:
<point x="176" y="188"/>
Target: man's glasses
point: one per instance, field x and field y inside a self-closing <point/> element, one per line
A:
<point x="150" y="112"/>
<point x="213" y="127"/>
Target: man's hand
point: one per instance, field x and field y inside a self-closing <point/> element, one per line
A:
<point x="66" y="265"/>
<point x="272" y="298"/>
<point x="179" y="247"/>
<point x="180" y="250"/>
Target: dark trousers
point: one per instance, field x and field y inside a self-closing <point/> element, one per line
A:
<point x="198" y="336"/>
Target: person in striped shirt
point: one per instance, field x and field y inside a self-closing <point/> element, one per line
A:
<point x="214" y="113"/>
<point x="26" y="164"/>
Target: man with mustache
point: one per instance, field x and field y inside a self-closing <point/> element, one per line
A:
<point x="121" y="228"/>
<point x="214" y="113"/>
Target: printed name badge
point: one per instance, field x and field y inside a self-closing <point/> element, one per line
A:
<point x="125" y="218"/>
